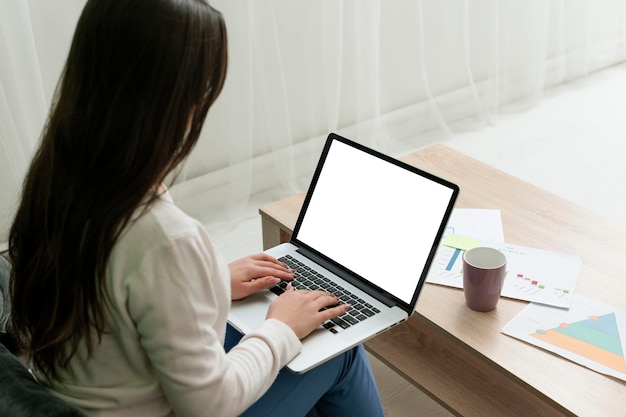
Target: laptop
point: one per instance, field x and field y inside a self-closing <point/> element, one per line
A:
<point x="367" y="232"/>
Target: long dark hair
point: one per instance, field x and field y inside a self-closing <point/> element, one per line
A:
<point x="129" y="107"/>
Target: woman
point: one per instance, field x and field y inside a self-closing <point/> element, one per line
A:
<point x="119" y="298"/>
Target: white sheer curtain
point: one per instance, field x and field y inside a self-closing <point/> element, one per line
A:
<point x="395" y="75"/>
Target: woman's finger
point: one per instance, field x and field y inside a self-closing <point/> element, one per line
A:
<point x="331" y="312"/>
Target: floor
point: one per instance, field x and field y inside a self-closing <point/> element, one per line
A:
<point x="571" y="143"/>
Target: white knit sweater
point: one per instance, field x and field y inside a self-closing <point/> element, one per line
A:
<point x="163" y="352"/>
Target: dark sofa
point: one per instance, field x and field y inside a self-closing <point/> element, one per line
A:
<point x="20" y="394"/>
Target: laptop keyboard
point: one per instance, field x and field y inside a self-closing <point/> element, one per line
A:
<point x="306" y="278"/>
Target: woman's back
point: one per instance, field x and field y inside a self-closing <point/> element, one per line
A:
<point x="157" y="281"/>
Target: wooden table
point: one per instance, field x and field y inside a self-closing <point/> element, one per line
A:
<point x="458" y="356"/>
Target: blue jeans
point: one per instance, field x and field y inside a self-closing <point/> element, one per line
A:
<point x="342" y="386"/>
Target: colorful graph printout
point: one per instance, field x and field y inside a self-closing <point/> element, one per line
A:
<point x="590" y="333"/>
<point x="480" y="224"/>
<point x="532" y="274"/>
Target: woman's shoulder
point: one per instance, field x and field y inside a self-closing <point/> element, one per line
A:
<point x="159" y="241"/>
<point x="163" y="219"/>
<point x="159" y="228"/>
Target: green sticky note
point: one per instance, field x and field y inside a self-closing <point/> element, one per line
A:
<point x="460" y="242"/>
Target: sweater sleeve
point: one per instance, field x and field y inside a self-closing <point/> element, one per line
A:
<point x="179" y="305"/>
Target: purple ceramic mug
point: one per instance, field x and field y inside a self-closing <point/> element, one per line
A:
<point x="483" y="275"/>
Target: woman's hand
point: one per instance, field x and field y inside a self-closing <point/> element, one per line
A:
<point x="300" y="310"/>
<point x="256" y="272"/>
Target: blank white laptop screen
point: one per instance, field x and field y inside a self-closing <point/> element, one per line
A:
<point x="384" y="218"/>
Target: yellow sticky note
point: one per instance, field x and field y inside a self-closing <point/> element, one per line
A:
<point x="460" y="242"/>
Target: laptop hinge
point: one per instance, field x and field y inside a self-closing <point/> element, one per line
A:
<point x="337" y="271"/>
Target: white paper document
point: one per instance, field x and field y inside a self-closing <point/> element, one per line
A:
<point x="590" y="333"/>
<point x="485" y="224"/>
<point x="532" y="274"/>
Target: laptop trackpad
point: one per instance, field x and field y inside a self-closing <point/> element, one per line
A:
<point x="246" y="317"/>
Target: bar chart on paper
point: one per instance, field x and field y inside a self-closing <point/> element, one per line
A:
<point x="532" y="275"/>
<point x="485" y="224"/>
<point x="590" y="333"/>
